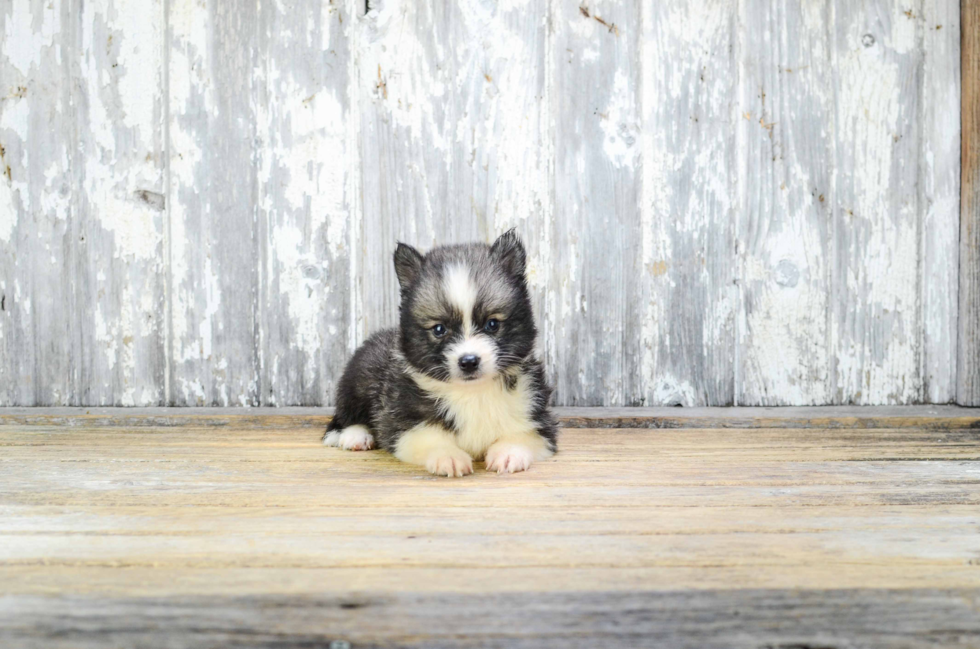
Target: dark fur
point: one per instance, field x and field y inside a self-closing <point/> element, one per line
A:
<point x="376" y="389"/>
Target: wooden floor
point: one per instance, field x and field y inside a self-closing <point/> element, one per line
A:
<point x="250" y="535"/>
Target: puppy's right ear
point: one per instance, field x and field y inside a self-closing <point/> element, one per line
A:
<point x="408" y="265"/>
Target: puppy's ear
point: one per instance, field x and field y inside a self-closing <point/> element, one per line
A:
<point x="509" y="252"/>
<point x="408" y="265"/>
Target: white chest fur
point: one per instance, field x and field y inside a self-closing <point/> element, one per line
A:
<point x="484" y="412"/>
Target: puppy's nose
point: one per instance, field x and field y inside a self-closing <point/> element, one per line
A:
<point x="469" y="363"/>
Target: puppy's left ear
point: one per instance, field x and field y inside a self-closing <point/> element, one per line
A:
<point x="408" y="265"/>
<point x="509" y="251"/>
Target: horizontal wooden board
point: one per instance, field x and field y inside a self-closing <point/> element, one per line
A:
<point x="673" y="619"/>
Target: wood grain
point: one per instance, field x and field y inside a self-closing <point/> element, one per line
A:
<point x="453" y="138"/>
<point x="785" y="226"/>
<point x="598" y="231"/>
<point x="968" y="355"/>
<point x="119" y="222"/>
<point x="939" y="190"/>
<point x="215" y="258"/>
<point x="38" y="199"/>
<point x="503" y="157"/>
<point x="696" y="620"/>
<point x="405" y="88"/>
<point x="256" y="536"/>
<point x="876" y="228"/>
<point x="689" y="184"/>
<point x="305" y="204"/>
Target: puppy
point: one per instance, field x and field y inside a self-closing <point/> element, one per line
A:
<point x="458" y="379"/>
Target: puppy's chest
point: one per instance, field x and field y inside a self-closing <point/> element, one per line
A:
<point x="483" y="416"/>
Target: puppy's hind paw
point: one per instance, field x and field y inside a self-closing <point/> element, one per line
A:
<point x="352" y="438"/>
<point x="454" y="463"/>
<point x="509" y="458"/>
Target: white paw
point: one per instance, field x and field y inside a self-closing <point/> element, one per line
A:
<point x="352" y="438"/>
<point x="452" y="462"/>
<point x="509" y="458"/>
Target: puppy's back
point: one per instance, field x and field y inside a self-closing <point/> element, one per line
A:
<point x="360" y="387"/>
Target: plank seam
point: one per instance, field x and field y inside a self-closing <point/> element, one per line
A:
<point x="75" y="344"/>
<point x="741" y="196"/>
<point x="354" y="184"/>
<point x="836" y="395"/>
<point x="968" y="365"/>
<point x="921" y="213"/>
<point x="168" y="215"/>
<point x="261" y="235"/>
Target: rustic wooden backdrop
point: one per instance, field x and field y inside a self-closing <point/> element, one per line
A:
<point x="752" y="202"/>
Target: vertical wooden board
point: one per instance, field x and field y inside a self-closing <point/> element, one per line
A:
<point x="939" y="193"/>
<point x="968" y="354"/>
<point x="501" y="172"/>
<point x="501" y="175"/>
<point x="454" y="137"/>
<point x="305" y="210"/>
<point x="405" y="84"/>
<point x="118" y="231"/>
<point x="786" y="149"/>
<point x="689" y="201"/>
<point x="596" y="240"/>
<point x="36" y="190"/>
<point x="876" y="313"/>
<point x="212" y="244"/>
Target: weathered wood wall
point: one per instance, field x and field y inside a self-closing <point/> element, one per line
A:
<point x="749" y="203"/>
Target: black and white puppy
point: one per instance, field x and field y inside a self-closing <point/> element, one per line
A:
<point x="458" y="379"/>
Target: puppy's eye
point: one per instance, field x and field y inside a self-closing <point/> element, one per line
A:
<point x="439" y="330"/>
<point x="492" y="326"/>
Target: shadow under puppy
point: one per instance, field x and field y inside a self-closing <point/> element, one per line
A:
<point x="458" y="379"/>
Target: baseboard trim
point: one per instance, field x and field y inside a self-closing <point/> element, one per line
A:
<point x="858" y="417"/>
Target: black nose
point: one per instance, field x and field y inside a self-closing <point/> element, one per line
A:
<point x="469" y="363"/>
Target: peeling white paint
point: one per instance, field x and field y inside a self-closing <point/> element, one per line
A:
<point x="786" y="120"/>
<point x="399" y="68"/>
<point x="688" y="204"/>
<point x="23" y="44"/>
<point x="304" y="298"/>
<point x="212" y="293"/>
<point x="192" y="392"/>
<point x="14" y="197"/>
<point x="8" y="211"/>
<point x="135" y="228"/>
<point x="619" y="123"/>
<point x="671" y="391"/>
<point x="877" y="354"/>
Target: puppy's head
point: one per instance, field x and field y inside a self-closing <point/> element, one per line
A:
<point x="465" y="310"/>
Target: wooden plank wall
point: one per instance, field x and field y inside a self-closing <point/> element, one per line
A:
<point x="750" y="203"/>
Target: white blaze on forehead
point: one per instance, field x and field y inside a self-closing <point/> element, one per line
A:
<point x="461" y="292"/>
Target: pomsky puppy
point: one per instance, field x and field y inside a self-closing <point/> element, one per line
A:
<point x="458" y="380"/>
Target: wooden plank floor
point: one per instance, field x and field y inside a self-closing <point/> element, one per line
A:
<point x="257" y="536"/>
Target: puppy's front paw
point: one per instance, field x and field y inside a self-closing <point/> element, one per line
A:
<point x="451" y="462"/>
<point x="509" y="458"/>
<point x="352" y="438"/>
